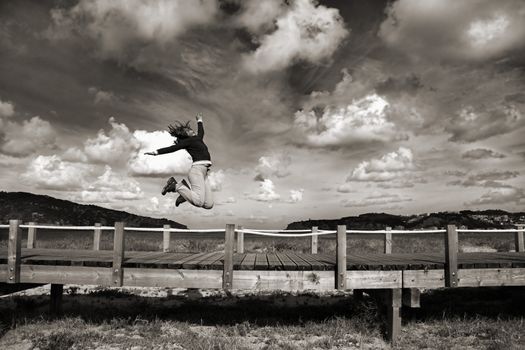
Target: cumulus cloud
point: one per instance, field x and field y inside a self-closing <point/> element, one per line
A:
<point x="469" y="124"/>
<point x="178" y="163"/>
<point x="52" y="173"/>
<point x="500" y="196"/>
<point x="306" y="32"/>
<point x="362" y="121"/>
<point x="114" y="147"/>
<point x="111" y="187"/>
<point x="449" y="29"/>
<point x="389" y="167"/>
<point x="274" y="165"/>
<point x="259" y="16"/>
<point x="28" y="137"/>
<point x="481" y="153"/>
<point x="266" y="192"/>
<point x="121" y="29"/>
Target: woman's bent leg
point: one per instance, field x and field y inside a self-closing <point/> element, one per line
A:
<point x="197" y="193"/>
<point x="208" y="195"/>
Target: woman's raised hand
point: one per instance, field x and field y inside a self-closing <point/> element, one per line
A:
<point x="199" y="117"/>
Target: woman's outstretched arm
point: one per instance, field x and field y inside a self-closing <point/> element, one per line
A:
<point x="200" y="126"/>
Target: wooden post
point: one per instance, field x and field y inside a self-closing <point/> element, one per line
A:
<point x="227" y="274"/>
<point x="166" y="237"/>
<point x="96" y="237"/>
<point x="518" y="239"/>
<point x="388" y="241"/>
<point x="118" y="254"/>
<point x="31" y="236"/>
<point x="14" y="250"/>
<point x="341" y="258"/>
<point x="451" y="257"/>
<point x="393" y="314"/>
<point x="315" y="240"/>
<point x="412" y="297"/>
<point x="240" y="240"/>
<point x="55" y="305"/>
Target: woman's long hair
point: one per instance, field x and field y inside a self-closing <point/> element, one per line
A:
<point x="179" y="130"/>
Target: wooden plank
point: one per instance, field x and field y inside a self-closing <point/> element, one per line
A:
<point x="519" y="239"/>
<point x="314" y="262"/>
<point x="173" y="278"/>
<point x="237" y="260"/>
<point x="315" y="241"/>
<point x="202" y="261"/>
<point x="388" y="241"/>
<point x="229" y="237"/>
<point x="261" y="262"/>
<point x="284" y="280"/>
<point x="451" y="257"/>
<point x="491" y="277"/>
<point x="166" y="238"/>
<point x="14" y="249"/>
<point x="299" y="263"/>
<point x="118" y="254"/>
<point x="273" y="262"/>
<point x="101" y="276"/>
<point x="341" y="258"/>
<point x="424" y="279"/>
<point x="374" y="279"/>
<point x="240" y="241"/>
<point x="3" y="272"/>
<point x="31" y="236"/>
<point x="97" y="233"/>
<point x="412" y="297"/>
<point x="249" y="262"/>
<point x="286" y="262"/>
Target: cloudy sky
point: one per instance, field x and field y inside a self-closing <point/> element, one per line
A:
<point x="311" y="109"/>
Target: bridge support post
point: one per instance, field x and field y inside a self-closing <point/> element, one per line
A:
<point x="393" y="306"/>
<point x="315" y="240"/>
<point x="96" y="237"/>
<point x="227" y="274"/>
<point x="451" y="257"/>
<point x="118" y="254"/>
<point x="388" y="241"/>
<point x="14" y="251"/>
<point x="518" y="239"/>
<point x="166" y="237"/>
<point x="240" y="240"/>
<point x="340" y="278"/>
<point x="55" y="305"/>
<point x="31" y="236"/>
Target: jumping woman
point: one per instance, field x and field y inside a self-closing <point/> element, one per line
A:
<point x="198" y="192"/>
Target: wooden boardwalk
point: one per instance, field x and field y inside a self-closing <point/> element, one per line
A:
<point x="394" y="278"/>
<point x="284" y="261"/>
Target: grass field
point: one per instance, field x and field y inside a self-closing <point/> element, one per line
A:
<point x="100" y="318"/>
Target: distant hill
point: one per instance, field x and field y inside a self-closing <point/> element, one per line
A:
<point x="45" y="209"/>
<point x="375" y="221"/>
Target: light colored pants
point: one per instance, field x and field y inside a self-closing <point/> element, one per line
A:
<point x="200" y="193"/>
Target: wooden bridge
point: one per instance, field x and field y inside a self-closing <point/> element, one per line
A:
<point x="395" y="279"/>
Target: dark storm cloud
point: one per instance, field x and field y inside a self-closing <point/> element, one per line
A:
<point x="409" y="84"/>
<point x="491" y="179"/>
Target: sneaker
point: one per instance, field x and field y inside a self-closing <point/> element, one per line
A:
<point x="170" y="186"/>
<point x="180" y="200"/>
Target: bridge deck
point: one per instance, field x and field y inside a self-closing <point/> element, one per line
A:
<point x="266" y="261"/>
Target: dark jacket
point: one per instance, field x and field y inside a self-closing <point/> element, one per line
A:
<point x="194" y="145"/>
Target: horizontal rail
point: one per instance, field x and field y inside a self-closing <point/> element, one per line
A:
<point x="277" y="231"/>
<point x="509" y="230"/>
<point x="79" y="228"/>
<point x="270" y="234"/>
